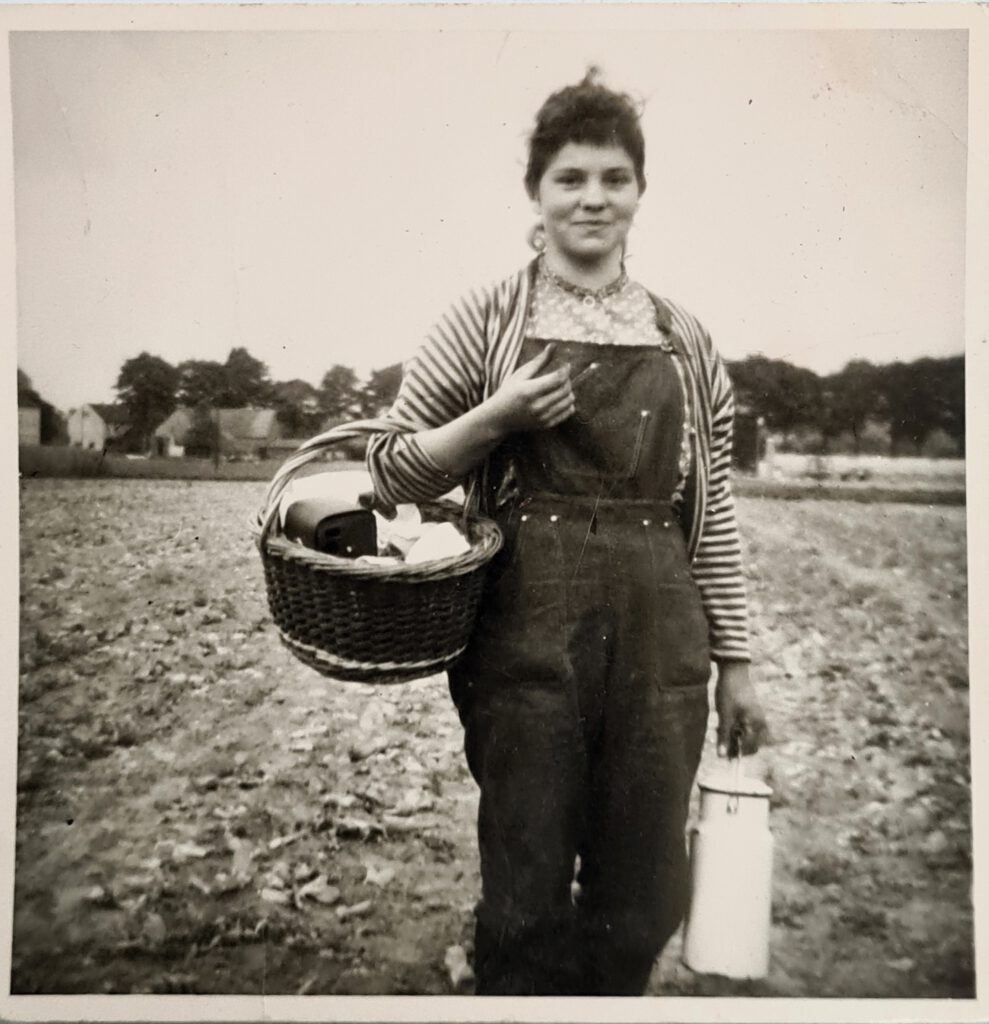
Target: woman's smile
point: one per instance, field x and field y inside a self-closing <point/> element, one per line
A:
<point x="587" y="199"/>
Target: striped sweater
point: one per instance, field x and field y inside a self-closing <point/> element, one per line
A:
<point x="467" y="356"/>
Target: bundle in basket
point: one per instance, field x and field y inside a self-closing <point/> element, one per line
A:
<point x="370" y="622"/>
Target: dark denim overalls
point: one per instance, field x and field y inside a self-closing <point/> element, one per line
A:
<point x="584" y="692"/>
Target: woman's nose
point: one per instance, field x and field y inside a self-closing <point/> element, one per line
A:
<point x="592" y="196"/>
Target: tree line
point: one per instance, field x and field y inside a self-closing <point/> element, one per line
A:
<point x="150" y="389"/>
<point x="863" y="407"/>
<point x="892" y="407"/>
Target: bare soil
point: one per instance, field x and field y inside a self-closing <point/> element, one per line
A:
<point x="197" y="812"/>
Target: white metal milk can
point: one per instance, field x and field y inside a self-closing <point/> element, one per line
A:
<point x="731" y="866"/>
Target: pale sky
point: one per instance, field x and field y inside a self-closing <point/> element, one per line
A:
<point x="319" y="197"/>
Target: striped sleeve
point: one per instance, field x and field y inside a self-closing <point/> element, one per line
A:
<point x="717" y="565"/>
<point x="443" y="380"/>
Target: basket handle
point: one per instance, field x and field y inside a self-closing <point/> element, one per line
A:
<point x="312" y="449"/>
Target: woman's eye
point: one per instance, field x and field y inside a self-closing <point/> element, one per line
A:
<point x="617" y="180"/>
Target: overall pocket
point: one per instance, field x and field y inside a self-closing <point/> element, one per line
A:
<point x="609" y="450"/>
<point x="682" y="638"/>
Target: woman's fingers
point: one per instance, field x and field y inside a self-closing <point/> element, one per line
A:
<point x="537" y="364"/>
<point x="535" y="399"/>
<point x="550" y="394"/>
<point x="744" y="732"/>
<point x="555" y="417"/>
<point x="547" y="382"/>
<point x="554" y="408"/>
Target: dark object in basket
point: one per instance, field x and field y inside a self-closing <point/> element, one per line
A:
<point x="372" y="623"/>
<point x="333" y="527"/>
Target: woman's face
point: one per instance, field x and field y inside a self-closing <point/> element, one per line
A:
<point x="587" y="198"/>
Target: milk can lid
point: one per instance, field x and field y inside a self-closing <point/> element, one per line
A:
<point x="725" y="781"/>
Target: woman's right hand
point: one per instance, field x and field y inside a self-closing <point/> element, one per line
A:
<point x="530" y="399"/>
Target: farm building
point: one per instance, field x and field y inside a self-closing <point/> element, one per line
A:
<point x="244" y="433"/>
<point x="97" y="425"/>
<point x="38" y="421"/>
<point x="28" y="419"/>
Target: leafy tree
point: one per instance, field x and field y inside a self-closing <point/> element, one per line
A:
<point x="911" y="405"/>
<point x="146" y="387"/>
<point x="339" y="394"/>
<point x="297" y="407"/>
<point x="849" y="399"/>
<point x="201" y="380"/>
<point x="787" y="396"/>
<point x="924" y="395"/>
<point x="247" y="381"/>
<point x="202" y="441"/>
<point x="949" y="379"/>
<point x="380" y="390"/>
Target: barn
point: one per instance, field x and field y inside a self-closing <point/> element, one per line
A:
<point x="242" y="433"/>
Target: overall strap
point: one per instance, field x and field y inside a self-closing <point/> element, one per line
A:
<point x="695" y="491"/>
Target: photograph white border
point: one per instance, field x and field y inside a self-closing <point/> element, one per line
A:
<point x="587" y="16"/>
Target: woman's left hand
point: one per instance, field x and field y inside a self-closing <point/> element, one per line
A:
<point x="742" y="725"/>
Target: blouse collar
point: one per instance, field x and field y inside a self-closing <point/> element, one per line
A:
<point x="597" y="294"/>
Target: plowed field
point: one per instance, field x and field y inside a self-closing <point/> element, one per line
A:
<point x="199" y="813"/>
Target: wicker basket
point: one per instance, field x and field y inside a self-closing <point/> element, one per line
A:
<point x="371" y="623"/>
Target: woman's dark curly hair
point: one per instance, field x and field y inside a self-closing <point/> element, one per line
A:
<point x="587" y="112"/>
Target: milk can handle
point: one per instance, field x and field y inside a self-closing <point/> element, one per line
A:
<point x="735" y="763"/>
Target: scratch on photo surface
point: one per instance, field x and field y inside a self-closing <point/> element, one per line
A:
<point x="501" y="49"/>
<point x="591" y="528"/>
<point x="924" y="111"/>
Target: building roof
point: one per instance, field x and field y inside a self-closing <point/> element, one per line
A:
<point x="176" y="425"/>
<point x="112" y="415"/>
<point x="248" y="424"/>
<point x="236" y="425"/>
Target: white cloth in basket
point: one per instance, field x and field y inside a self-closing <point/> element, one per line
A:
<point x="438" y="541"/>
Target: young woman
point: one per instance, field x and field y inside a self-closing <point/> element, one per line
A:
<point x="593" y="420"/>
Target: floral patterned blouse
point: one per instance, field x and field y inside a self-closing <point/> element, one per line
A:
<point x="621" y="313"/>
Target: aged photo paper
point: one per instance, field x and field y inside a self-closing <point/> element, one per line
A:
<point x="198" y="827"/>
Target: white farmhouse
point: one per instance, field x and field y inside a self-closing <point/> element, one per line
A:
<point x="95" y="425"/>
<point x="28" y="419"/>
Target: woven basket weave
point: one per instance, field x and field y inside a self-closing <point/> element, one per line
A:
<point x="371" y="623"/>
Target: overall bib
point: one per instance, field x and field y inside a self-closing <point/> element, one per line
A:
<point x="584" y="692"/>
